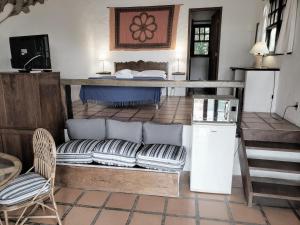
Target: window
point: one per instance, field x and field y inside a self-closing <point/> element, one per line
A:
<point x="200" y="40"/>
<point x="275" y="17"/>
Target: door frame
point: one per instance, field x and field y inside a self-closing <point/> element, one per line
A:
<point x="191" y="10"/>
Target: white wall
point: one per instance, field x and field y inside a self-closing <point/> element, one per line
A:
<point x="78" y="32"/>
<point x="289" y="83"/>
<point x="289" y="78"/>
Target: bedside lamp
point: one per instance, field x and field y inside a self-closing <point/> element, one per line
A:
<point x="102" y="65"/>
<point x="259" y="50"/>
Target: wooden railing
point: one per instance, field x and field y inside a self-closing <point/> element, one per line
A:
<point x="154" y="83"/>
<point x="236" y="86"/>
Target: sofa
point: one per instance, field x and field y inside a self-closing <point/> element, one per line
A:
<point x="123" y="144"/>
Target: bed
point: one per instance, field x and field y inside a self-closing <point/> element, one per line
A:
<point x="126" y="96"/>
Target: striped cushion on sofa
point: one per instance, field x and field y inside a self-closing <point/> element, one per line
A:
<point x="23" y="188"/>
<point x="116" y="152"/>
<point x="162" y="157"/>
<point x="76" y="151"/>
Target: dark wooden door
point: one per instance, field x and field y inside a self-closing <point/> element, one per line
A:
<point x="214" y="46"/>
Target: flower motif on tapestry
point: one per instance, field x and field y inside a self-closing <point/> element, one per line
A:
<point x="143" y="27"/>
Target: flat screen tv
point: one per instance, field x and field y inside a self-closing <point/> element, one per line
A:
<point x="30" y="52"/>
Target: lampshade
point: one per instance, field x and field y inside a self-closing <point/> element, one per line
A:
<point x="260" y="48"/>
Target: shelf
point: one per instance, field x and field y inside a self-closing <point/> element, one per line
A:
<point x="254" y="69"/>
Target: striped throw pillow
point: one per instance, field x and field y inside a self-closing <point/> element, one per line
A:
<point x="162" y="157"/>
<point x="23" y="188"/>
<point x="116" y="152"/>
<point x="77" y="151"/>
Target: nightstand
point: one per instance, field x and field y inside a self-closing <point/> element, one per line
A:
<point x="177" y="91"/>
<point x="261" y="88"/>
<point x="104" y="73"/>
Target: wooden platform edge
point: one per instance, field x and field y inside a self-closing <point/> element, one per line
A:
<point x="115" y="179"/>
<point x="246" y="179"/>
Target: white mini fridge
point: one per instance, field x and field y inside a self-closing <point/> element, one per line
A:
<point x="213" y="143"/>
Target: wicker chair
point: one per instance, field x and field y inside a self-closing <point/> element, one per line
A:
<point x="40" y="183"/>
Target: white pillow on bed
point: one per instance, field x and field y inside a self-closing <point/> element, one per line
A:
<point x="135" y="73"/>
<point x="124" y="72"/>
<point x="153" y="73"/>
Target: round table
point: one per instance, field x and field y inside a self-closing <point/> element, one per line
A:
<point x="10" y="167"/>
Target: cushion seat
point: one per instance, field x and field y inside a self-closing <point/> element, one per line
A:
<point x="116" y="152"/>
<point x="162" y="157"/>
<point x="77" y="151"/>
<point x="23" y="188"/>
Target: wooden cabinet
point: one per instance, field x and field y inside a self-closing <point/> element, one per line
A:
<point x="178" y="91"/>
<point x="260" y="88"/>
<point x="28" y="101"/>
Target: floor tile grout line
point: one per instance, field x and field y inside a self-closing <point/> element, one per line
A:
<point x="92" y="115"/>
<point x="269" y="124"/>
<point x="294" y="210"/>
<point x="139" y="109"/>
<point x="163" y="219"/>
<point x="132" y="210"/>
<point x="113" y="208"/>
<point x="164" y="102"/>
<point x="174" y="215"/>
<point x="197" y="212"/>
<point x="229" y="213"/>
<point x="73" y="205"/>
<point x="174" y="116"/>
<point x="196" y="197"/>
<point x="165" y="214"/>
<point x="179" y="197"/>
<point x="100" y="209"/>
<point x="264" y="214"/>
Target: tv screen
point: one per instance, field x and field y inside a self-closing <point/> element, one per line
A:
<point x="30" y="52"/>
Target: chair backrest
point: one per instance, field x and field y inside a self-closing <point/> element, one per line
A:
<point x="44" y="151"/>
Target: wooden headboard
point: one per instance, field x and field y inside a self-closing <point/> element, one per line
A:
<point x="141" y="65"/>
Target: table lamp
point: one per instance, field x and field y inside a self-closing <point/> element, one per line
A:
<point x="259" y="50"/>
<point x="102" y="65"/>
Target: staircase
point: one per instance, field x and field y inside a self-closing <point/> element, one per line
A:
<point x="270" y="176"/>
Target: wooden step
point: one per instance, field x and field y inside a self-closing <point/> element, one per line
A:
<point x="272" y="146"/>
<point x="276" y="188"/>
<point x="275" y="181"/>
<point x="272" y="135"/>
<point x="276" y="166"/>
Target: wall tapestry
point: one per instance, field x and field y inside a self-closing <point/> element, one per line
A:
<point x="148" y="27"/>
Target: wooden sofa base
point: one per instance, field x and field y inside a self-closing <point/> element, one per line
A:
<point x="116" y="179"/>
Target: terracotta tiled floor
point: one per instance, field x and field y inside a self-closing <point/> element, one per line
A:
<point x="171" y="110"/>
<point x="175" y="110"/>
<point x="84" y="207"/>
